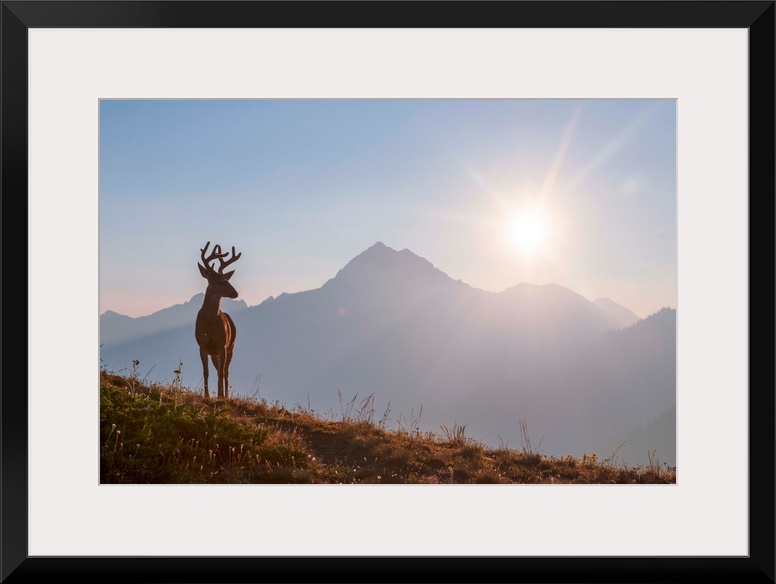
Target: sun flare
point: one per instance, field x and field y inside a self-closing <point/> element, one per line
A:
<point x="528" y="231"/>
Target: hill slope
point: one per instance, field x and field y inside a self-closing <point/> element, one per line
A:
<point x="162" y="434"/>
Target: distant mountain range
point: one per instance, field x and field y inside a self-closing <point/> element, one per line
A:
<point x="117" y="328"/>
<point x="585" y="375"/>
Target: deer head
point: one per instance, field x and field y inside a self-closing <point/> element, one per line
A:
<point x="218" y="282"/>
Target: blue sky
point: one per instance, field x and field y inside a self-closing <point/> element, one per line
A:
<point x="300" y="187"/>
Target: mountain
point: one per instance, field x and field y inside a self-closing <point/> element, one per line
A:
<point x="624" y="316"/>
<point x="392" y="325"/>
<point x="631" y="377"/>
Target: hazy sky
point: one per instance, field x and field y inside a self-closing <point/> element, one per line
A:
<point x="493" y="192"/>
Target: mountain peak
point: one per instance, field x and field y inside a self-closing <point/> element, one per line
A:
<point x="113" y="314"/>
<point x="377" y="256"/>
<point x="377" y="250"/>
<point x="382" y="264"/>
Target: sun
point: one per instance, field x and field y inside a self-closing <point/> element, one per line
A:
<point x="528" y="231"/>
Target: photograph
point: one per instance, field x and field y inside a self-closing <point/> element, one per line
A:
<point x="388" y="291"/>
<point x="363" y="292"/>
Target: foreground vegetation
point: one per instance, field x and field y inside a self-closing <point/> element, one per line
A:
<point x="151" y="433"/>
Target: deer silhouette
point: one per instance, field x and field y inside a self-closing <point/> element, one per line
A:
<point x="215" y="330"/>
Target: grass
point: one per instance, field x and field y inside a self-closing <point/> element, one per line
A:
<point x="163" y="433"/>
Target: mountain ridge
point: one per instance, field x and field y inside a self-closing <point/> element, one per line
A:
<point x="115" y="327"/>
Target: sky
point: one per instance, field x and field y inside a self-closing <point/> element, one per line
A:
<point x="493" y="192"/>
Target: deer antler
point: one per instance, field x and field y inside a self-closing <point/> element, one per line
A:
<point x="218" y="255"/>
<point x="215" y="255"/>
<point x="233" y="259"/>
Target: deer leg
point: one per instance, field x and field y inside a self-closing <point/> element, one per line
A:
<point x="218" y="363"/>
<point x="229" y="353"/>
<point x="203" y="356"/>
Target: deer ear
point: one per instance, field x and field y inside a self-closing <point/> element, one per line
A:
<point x="203" y="271"/>
<point x="228" y="275"/>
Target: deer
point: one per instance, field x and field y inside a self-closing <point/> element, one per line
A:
<point x="215" y="330"/>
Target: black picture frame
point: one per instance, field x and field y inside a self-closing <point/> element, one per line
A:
<point x="756" y="16"/>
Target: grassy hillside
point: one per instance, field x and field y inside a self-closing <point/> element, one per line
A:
<point x="166" y="434"/>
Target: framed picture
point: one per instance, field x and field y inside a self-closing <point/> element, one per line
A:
<point x="61" y="60"/>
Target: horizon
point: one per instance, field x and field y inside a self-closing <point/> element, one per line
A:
<point x="376" y="244"/>
<point x="497" y="192"/>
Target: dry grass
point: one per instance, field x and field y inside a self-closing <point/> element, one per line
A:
<point x="167" y="434"/>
